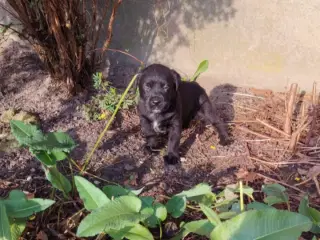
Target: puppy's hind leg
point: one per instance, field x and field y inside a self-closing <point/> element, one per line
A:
<point x="207" y="112"/>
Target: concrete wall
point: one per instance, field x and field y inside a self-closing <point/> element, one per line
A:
<point x="258" y="43"/>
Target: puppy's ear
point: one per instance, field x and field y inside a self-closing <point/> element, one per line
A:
<point x="137" y="81"/>
<point x="177" y="78"/>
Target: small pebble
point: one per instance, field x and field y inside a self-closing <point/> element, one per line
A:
<point x="29" y="178"/>
<point x="32" y="170"/>
<point x="96" y="182"/>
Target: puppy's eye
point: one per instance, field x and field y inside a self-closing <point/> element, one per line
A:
<point x="147" y="86"/>
<point x="166" y="87"/>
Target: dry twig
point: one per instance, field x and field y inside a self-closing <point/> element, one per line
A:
<point x="254" y="133"/>
<point x="110" y="26"/>
<point x="314" y="114"/>
<point x="290" y="108"/>
<point x="272" y="127"/>
<point x="284" y="162"/>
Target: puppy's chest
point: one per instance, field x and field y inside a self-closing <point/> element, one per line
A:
<point x="159" y="125"/>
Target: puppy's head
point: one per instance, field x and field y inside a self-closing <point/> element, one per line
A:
<point x="158" y="86"/>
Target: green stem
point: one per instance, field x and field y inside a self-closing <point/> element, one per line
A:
<point x="108" y="124"/>
<point x="72" y="178"/>
<point x="241" y="197"/>
<point x="160" y="229"/>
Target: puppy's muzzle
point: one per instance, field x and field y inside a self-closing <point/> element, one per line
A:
<point x="156" y="101"/>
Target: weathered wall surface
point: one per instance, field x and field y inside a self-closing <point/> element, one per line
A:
<point x="265" y="44"/>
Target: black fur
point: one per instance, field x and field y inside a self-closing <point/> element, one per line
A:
<point x="167" y="105"/>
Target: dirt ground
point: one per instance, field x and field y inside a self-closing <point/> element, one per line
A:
<point x="25" y="85"/>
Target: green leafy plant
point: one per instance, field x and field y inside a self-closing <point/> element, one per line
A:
<point x="15" y="211"/>
<point x="268" y="222"/>
<point x="122" y="214"/>
<point x="262" y="224"/>
<point x="7" y="140"/>
<point x="275" y="194"/>
<point x="119" y="216"/>
<point x="203" y="66"/>
<point x="97" y="80"/>
<point x="312" y="213"/>
<point x="104" y="103"/>
<point x="47" y="148"/>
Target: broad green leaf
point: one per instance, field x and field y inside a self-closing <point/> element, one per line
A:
<point x="227" y="215"/>
<point x="91" y="196"/>
<point x="147" y="209"/>
<point x="115" y="215"/>
<point x="236" y="207"/>
<point x="262" y="225"/>
<point x="147" y="201"/>
<point x="57" y="179"/>
<point x="201" y="193"/>
<point x="157" y="210"/>
<point x="210" y="214"/>
<point x="203" y="66"/>
<point x="26" y="134"/>
<point x="159" y="215"/>
<point x="135" y="232"/>
<point x="275" y="194"/>
<point x="17" y="194"/>
<point x="176" y="206"/>
<point x="198" y="190"/>
<point x="246" y="190"/>
<point x="19" y="207"/>
<point x="137" y="192"/>
<point x="55" y="141"/>
<point x="229" y="192"/>
<point x="44" y="157"/>
<point x="116" y="191"/>
<point x="207" y="199"/>
<point x="200" y="227"/>
<point x="17" y="227"/>
<point x="311" y="213"/>
<point x="59" y="155"/>
<point x="5" y="233"/>
<point x="235" y="188"/>
<point x="259" y="206"/>
<point x="224" y="206"/>
<point x="160" y="211"/>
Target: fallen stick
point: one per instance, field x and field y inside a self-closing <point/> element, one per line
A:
<point x="315" y="179"/>
<point x="314" y="94"/>
<point x="280" y="182"/>
<point x="246" y="95"/>
<point x="314" y="114"/>
<point x="254" y="133"/>
<point x="290" y="108"/>
<point x="241" y="121"/>
<point x="285" y="162"/>
<point x="272" y="127"/>
<point x="304" y="182"/>
<point x="296" y="135"/>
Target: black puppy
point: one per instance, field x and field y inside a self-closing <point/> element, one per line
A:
<point x="168" y="104"/>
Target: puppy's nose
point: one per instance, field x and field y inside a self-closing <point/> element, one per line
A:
<point x="155" y="101"/>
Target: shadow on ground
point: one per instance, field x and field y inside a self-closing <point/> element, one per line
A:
<point x="19" y="65"/>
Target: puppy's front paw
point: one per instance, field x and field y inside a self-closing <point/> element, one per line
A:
<point x="224" y="141"/>
<point x="149" y="149"/>
<point x="171" y="159"/>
